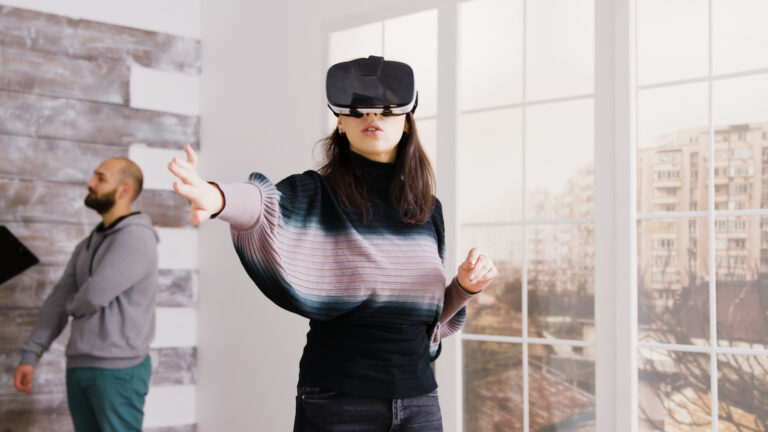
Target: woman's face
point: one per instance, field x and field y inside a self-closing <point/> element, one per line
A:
<point x="373" y="135"/>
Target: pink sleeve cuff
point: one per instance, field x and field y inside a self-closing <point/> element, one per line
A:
<point x="243" y="205"/>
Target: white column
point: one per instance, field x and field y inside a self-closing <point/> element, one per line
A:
<point x="625" y="209"/>
<point x="449" y="365"/>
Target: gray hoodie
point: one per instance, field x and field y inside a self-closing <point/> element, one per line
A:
<point x="108" y="288"/>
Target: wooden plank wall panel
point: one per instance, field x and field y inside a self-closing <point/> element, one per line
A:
<point x="176" y="288"/>
<point x="29" y="289"/>
<point x="35" y="412"/>
<point x="49" y="374"/>
<point x="28" y="201"/>
<point x="26" y="71"/>
<point x="64" y="108"/>
<point x="93" y="40"/>
<point x="49" y="413"/>
<point x="169" y="366"/>
<point x="165" y="208"/>
<point x="52" y="243"/>
<point x="92" y="122"/>
<point x="52" y="160"/>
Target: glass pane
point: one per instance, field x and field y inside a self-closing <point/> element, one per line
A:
<point x="355" y="42"/>
<point x="490" y="166"/>
<point x="673" y="281"/>
<point x="741" y="119"/>
<point x="742" y="393"/>
<point x="498" y="309"/>
<point x="741" y="256"/>
<point x="673" y="177"/>
<point x="739" y="35"/>
<point x="491" y="40"/>
<point x="562" y="388"/>
<point x="493" y="386"/>
<point x="673" y="149"/>
<point x="561" y="281"/>
<point x="428" y="136"/>
<point x="740" y="101"/>
<point x="671" y="40"/>
<point x="673" y="391"/>
<point x="560" y="160"/>
<point x="413" y="39"/>
<point x="560" y="49"/>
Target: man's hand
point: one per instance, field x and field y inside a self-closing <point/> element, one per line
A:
<point x="22" y="378"/>
<point x="205" y="199"/>
<point x="476" y="272"/>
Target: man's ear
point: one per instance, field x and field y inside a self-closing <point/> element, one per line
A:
<point x="125" y="190"/>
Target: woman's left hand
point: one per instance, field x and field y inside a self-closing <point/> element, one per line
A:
<point x="476" y="272"/>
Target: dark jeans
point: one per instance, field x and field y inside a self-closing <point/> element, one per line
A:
<point x="108" y="400"/>
<point x="318" y="410"/>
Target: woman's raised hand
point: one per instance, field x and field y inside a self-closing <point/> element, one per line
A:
<point x="205" y="198"/>
<point x="476" y="272"/>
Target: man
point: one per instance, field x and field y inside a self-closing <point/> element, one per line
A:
<point x="108" y="288"/>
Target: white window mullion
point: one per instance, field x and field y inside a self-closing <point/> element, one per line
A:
<point x="448" y="369"/>
<point x="606" y="399"/>
<point x="523" y="199"/>
<point x="711" y="223"/>
<point x="621" y="21"/>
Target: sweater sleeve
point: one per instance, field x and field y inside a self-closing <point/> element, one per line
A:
<point x="52" y="317"/>
<point x="268" y="223"/>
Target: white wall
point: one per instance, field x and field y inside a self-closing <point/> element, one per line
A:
<point x="259" y="95"/>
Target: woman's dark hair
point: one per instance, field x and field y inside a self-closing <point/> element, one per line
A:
<point x="412" y="191"/>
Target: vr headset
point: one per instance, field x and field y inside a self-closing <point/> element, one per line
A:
<point x="371" y="85"/>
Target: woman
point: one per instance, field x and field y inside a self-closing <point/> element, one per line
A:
<point x="358" y="248"/>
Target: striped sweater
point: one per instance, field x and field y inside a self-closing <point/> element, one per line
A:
<point x="375" y="292"/>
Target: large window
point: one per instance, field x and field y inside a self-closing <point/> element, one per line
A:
<point x="537" y="85"/>
<point x="702" y="204"/>
<point x="526" y="193"/>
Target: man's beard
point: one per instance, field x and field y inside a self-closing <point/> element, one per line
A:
<point x="101" y="204"/>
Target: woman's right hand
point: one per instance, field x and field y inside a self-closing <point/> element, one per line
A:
<point x="205" y="198"/>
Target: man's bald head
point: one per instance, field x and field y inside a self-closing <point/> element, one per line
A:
<point x="128" y="171"/>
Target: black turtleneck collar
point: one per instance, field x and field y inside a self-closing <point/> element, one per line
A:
<point x="378" y="176"/>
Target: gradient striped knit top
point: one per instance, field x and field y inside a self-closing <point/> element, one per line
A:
<point x="375" y="292"/>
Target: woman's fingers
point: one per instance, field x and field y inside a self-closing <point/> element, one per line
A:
<point x="189" y="192"/>
<point x="473" y="255"/>
<point x="184" y="171"/>
<point x="204" y="198"/>
<point x="482" y="265"/>
<point x="191" y="156"/>
<point x="477" y="271"/>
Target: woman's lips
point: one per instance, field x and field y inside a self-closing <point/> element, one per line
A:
<point x="371" y="129"/>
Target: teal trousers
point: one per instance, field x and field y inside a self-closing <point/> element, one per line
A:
<point x="108" y="400"/>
